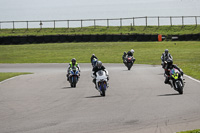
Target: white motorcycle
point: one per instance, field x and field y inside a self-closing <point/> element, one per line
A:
<point x="101" y="81"/>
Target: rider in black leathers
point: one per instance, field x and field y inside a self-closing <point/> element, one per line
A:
<point x="92" y="57"/>
<point x="165" y="56"/>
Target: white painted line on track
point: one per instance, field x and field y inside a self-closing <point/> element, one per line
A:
<point x="192" y="78"/>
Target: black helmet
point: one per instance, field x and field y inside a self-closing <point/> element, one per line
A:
<point x="99" y="64"/>
<point x="73" y="61"/>
<point x="169" y="62"/>
<point x="166" y="51"/>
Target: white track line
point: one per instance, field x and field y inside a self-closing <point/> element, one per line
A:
<point x="192" y="78"/>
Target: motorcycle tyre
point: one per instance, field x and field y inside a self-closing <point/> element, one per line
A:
<point x="103" y="93"/>
<point x="180" y="89"/>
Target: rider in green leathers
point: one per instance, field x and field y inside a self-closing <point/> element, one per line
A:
<point x="72" y="64"/>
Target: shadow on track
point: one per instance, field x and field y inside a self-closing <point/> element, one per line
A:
<point x="174" y="94"/>
<point x="94" y="96"/>
<point x="67" y="88"/>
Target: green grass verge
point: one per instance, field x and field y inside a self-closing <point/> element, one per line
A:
<point x="164" y="30"/>
<point x="186" y="54"/>
<point x="192" y="131"/>
<point x="4" y="76"/>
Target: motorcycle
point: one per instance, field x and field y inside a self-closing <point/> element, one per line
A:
<point x="74" y="76"/>
<point x="101" y="82"/>
<point x="94" y="62"/>
<point x="129" y="62"/>
<point x="176" y="80"/>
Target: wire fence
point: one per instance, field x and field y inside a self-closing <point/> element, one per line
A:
<point x="95" y="23"/>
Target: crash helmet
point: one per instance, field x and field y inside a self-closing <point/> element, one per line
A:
<point x="99" y="64"/>
<point x="132" y="51"/>
<point x="166" y="51"/>
<point x="169" y="62"/>
<point x="73" y="61"/>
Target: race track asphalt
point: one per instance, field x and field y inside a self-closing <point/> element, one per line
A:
<point x="137" y="101"/>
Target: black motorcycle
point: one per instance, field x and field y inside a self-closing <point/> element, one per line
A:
<point x="129" y="62"/>
<point x="176" y="80"/>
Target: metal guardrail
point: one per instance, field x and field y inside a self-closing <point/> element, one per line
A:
<point x="142" y="21"/>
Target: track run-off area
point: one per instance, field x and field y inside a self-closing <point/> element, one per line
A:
<point x="137" y="101"/>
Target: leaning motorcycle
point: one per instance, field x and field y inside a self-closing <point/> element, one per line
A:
<point x="102" y="82"/>
<point x="176" y="80"/>
<point x="74" y="76"/>
<point x="129" y="62"/>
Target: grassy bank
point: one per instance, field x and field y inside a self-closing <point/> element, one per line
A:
<point x="186" y="54"/>
<point x="192" y="131"/>
<point x="164" y="30"/>
<point x="4" y="76"/>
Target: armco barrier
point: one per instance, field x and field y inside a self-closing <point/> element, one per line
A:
<point x="94" y="38"/>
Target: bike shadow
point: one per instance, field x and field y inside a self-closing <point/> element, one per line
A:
<point x="67" y="87"/>
<point x="97" y="96"/>
<point x="173" y="94"/>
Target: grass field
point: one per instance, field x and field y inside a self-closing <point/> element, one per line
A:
<point x="164" y="30"/>
<point x="192" y="131"/>
<point x="186" y="54"/>
<point x="4" y="76"/>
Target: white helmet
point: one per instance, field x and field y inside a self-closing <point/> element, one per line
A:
<point x="132" y="51"/>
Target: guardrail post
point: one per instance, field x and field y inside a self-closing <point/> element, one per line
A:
<point x="54" y="24"/>
<point x="13" y="25"/>
<point x="107" y="23"/>
<point x="182" y="21"/>
<point x="81" y="24"/>
<point x="120" y="23"/>
<point x="27" y="25"/>
<point x="158" y="21"/>
<point x="133" y="21"/>
<point x="0" y="25"/>
<point x="68" y="24"/>
<point x="40" y="25"/>
<point x="94" y="23"/>
<point x="171" y="21"/>
<point x="146" y="21"/>
<point x="196" y="20"/>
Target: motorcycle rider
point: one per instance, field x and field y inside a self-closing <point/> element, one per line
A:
<point x="168" y="67"/>
<point x="129" y="53"/>
<point x="92" y="57"/>
<point x="98" y="67"/>
<point x="165" y="56"/>
<point x="72" y="64"/>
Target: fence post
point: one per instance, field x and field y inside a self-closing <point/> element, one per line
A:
<point x="13" y="25"/>
<point x="146" y="21"/>
<point x="133" y="21"/>
<point x="158" y="21"/>
<point x="0" y="25"/>
<point x="182" y="21"/>
<point x="107" y="23"/>
<point x="68" y="24"/>
<point x="120" y="23"/>
<point x="196" y="20"/>
<point x="40" y="25"/>
<point x="54" y="24"/>
<point x="27" y="24"/>
<point x="94" y="23"/>
<point x="171" y="21"/>
<point x="81" y="24"/>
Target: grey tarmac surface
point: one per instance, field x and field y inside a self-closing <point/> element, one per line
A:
<point x="137" y="101"/>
